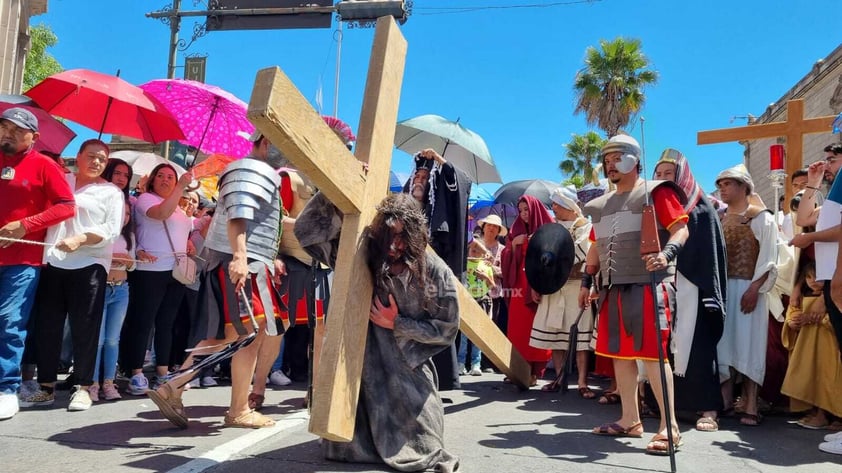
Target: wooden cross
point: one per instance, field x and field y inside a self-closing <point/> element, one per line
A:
<point x="794" y="129"/>
<point x="283" y="115"/>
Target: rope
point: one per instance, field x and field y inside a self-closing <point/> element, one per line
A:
<point x="50" y="245"/>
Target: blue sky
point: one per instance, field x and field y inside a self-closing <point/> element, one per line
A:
<point x="506" y="73"/>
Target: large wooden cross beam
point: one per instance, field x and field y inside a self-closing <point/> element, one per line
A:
<point x="282" y="114"/>
<point x="794" y="129"/>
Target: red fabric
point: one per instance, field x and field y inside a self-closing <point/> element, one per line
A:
<point x="521" y="316"/>
<point x="286" y="193"/>
<point x="53" y="215"/>
<point x="512" y="262"/>
<point x="256" y="303"/>
<point x="38" y="185"/>
<point x="301" y="309"/>
<point x="668" y="208"/>
<point x="649" y="347"/>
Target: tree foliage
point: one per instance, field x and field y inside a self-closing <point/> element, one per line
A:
<point x="582" y="156"/>
<point x="40" y="64"/>
<point x="610" y="87"/>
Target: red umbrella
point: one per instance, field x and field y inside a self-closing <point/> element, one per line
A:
<point x="106" y="104"/>
<point x="54" y="135"/>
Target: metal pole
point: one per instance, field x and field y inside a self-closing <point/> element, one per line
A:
<point x="336" y="79"/>
<point x="175" y="24"/>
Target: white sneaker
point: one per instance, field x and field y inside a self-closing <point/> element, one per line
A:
<point x="278" y="378"/>
<point x="8" y="406"/>
<point x="80" y="400"/>
<point x="836" y="436"/>
<point x="834" y="447"/>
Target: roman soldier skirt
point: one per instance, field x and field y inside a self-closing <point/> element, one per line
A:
<point x="626" y="325"/>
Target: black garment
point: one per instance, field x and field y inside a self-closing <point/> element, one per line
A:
<point x="699" y="388"/>
<point x="77" y="294"/>
<point x="834" y="314"/>
<point x="154" y="299"/>
<point x="447" y="219"/>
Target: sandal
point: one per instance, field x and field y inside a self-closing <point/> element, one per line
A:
<point x="707" y="424"/>
<point x="586" y="392"/>
<point x="614" y="429"/>
<point x="170" y="406"/>
<point x="249" y="420"/>
<point x="750" y="420"/>
<point x="551" y="387"/>
<point x="659" y="445"/>
<point x="609" y="398"/>
<point x="256" y="401"/>
<point x="812" y="424"/>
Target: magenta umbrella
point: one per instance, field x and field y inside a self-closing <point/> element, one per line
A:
<point x="212" y="119"/>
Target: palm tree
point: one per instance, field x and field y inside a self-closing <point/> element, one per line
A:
<point x="610" y="86"/>
<point x="582" y="153"/>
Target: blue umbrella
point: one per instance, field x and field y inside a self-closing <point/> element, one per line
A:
<point x="396" y="181"/>
<point x="479" y="197"/>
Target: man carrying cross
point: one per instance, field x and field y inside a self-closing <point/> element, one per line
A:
<point x="414" y="315"/>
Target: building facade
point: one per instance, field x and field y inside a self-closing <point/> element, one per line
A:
<point x="821" y="89"/>
<point x="15" y="40"/>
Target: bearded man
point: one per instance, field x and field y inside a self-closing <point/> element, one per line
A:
<point x="414" y="315"/>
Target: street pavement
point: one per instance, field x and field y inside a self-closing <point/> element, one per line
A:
<point x="490" y="425"/>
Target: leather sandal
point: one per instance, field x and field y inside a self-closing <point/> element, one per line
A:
<point x="613" y="429"/>
<point x="707" y="424"/>
<point x="170" y="406"/>
<point x="609" y="398"/>
<point x="586" y="392"/>
<point x="249" y="420"/>
<point x="659" y="445"/>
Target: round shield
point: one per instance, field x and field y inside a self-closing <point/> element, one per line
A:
<point x="549" y="258"/>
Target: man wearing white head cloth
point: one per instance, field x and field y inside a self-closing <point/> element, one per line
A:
<point x="557" y="312"/>
<point x="750" y="236"/>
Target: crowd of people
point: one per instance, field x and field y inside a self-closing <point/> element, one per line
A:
<point x="755" y="328"/>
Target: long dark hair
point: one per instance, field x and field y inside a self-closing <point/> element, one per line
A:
<point x="396" y="208"/>
<point x="149" y="184"/>
<point x="108" y="174"/>
<point x="128" y="227"/>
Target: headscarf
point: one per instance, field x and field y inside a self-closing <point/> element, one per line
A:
<point x="567" y="198"/>
<point x="538" y="215"/>
<point x="683" y="177"/>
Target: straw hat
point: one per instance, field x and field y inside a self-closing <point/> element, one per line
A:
<point x="493" y="220"/>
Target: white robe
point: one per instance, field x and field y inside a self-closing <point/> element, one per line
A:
<point x="743" y="342"/>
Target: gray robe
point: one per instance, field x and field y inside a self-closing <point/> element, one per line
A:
<point x="400" y="417"/>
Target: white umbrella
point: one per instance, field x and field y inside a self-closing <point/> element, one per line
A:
<point x="143" y="163"/>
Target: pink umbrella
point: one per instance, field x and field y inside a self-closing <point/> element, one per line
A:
<point x="212" y="119"/>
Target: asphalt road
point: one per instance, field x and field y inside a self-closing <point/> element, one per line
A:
<point x="491" y="426"/>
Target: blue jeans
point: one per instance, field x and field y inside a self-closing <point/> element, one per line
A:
<point x="113" y="315"/>
<point x="476" y="353"/>
<point x="17" y="294"/>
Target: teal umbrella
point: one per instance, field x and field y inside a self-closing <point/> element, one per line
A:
<point x="460" y="146"/>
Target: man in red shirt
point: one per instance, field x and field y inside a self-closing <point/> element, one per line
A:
<point x="35" y="195"/>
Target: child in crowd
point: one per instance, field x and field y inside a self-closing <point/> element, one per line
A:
<point x="480" y="280"/>
<point x="812" y="379"/>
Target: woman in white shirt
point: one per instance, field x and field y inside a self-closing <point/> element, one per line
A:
<point x="155" y="295"/>
<point x="114" y="312"/>
<point x="73" y="279"/>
